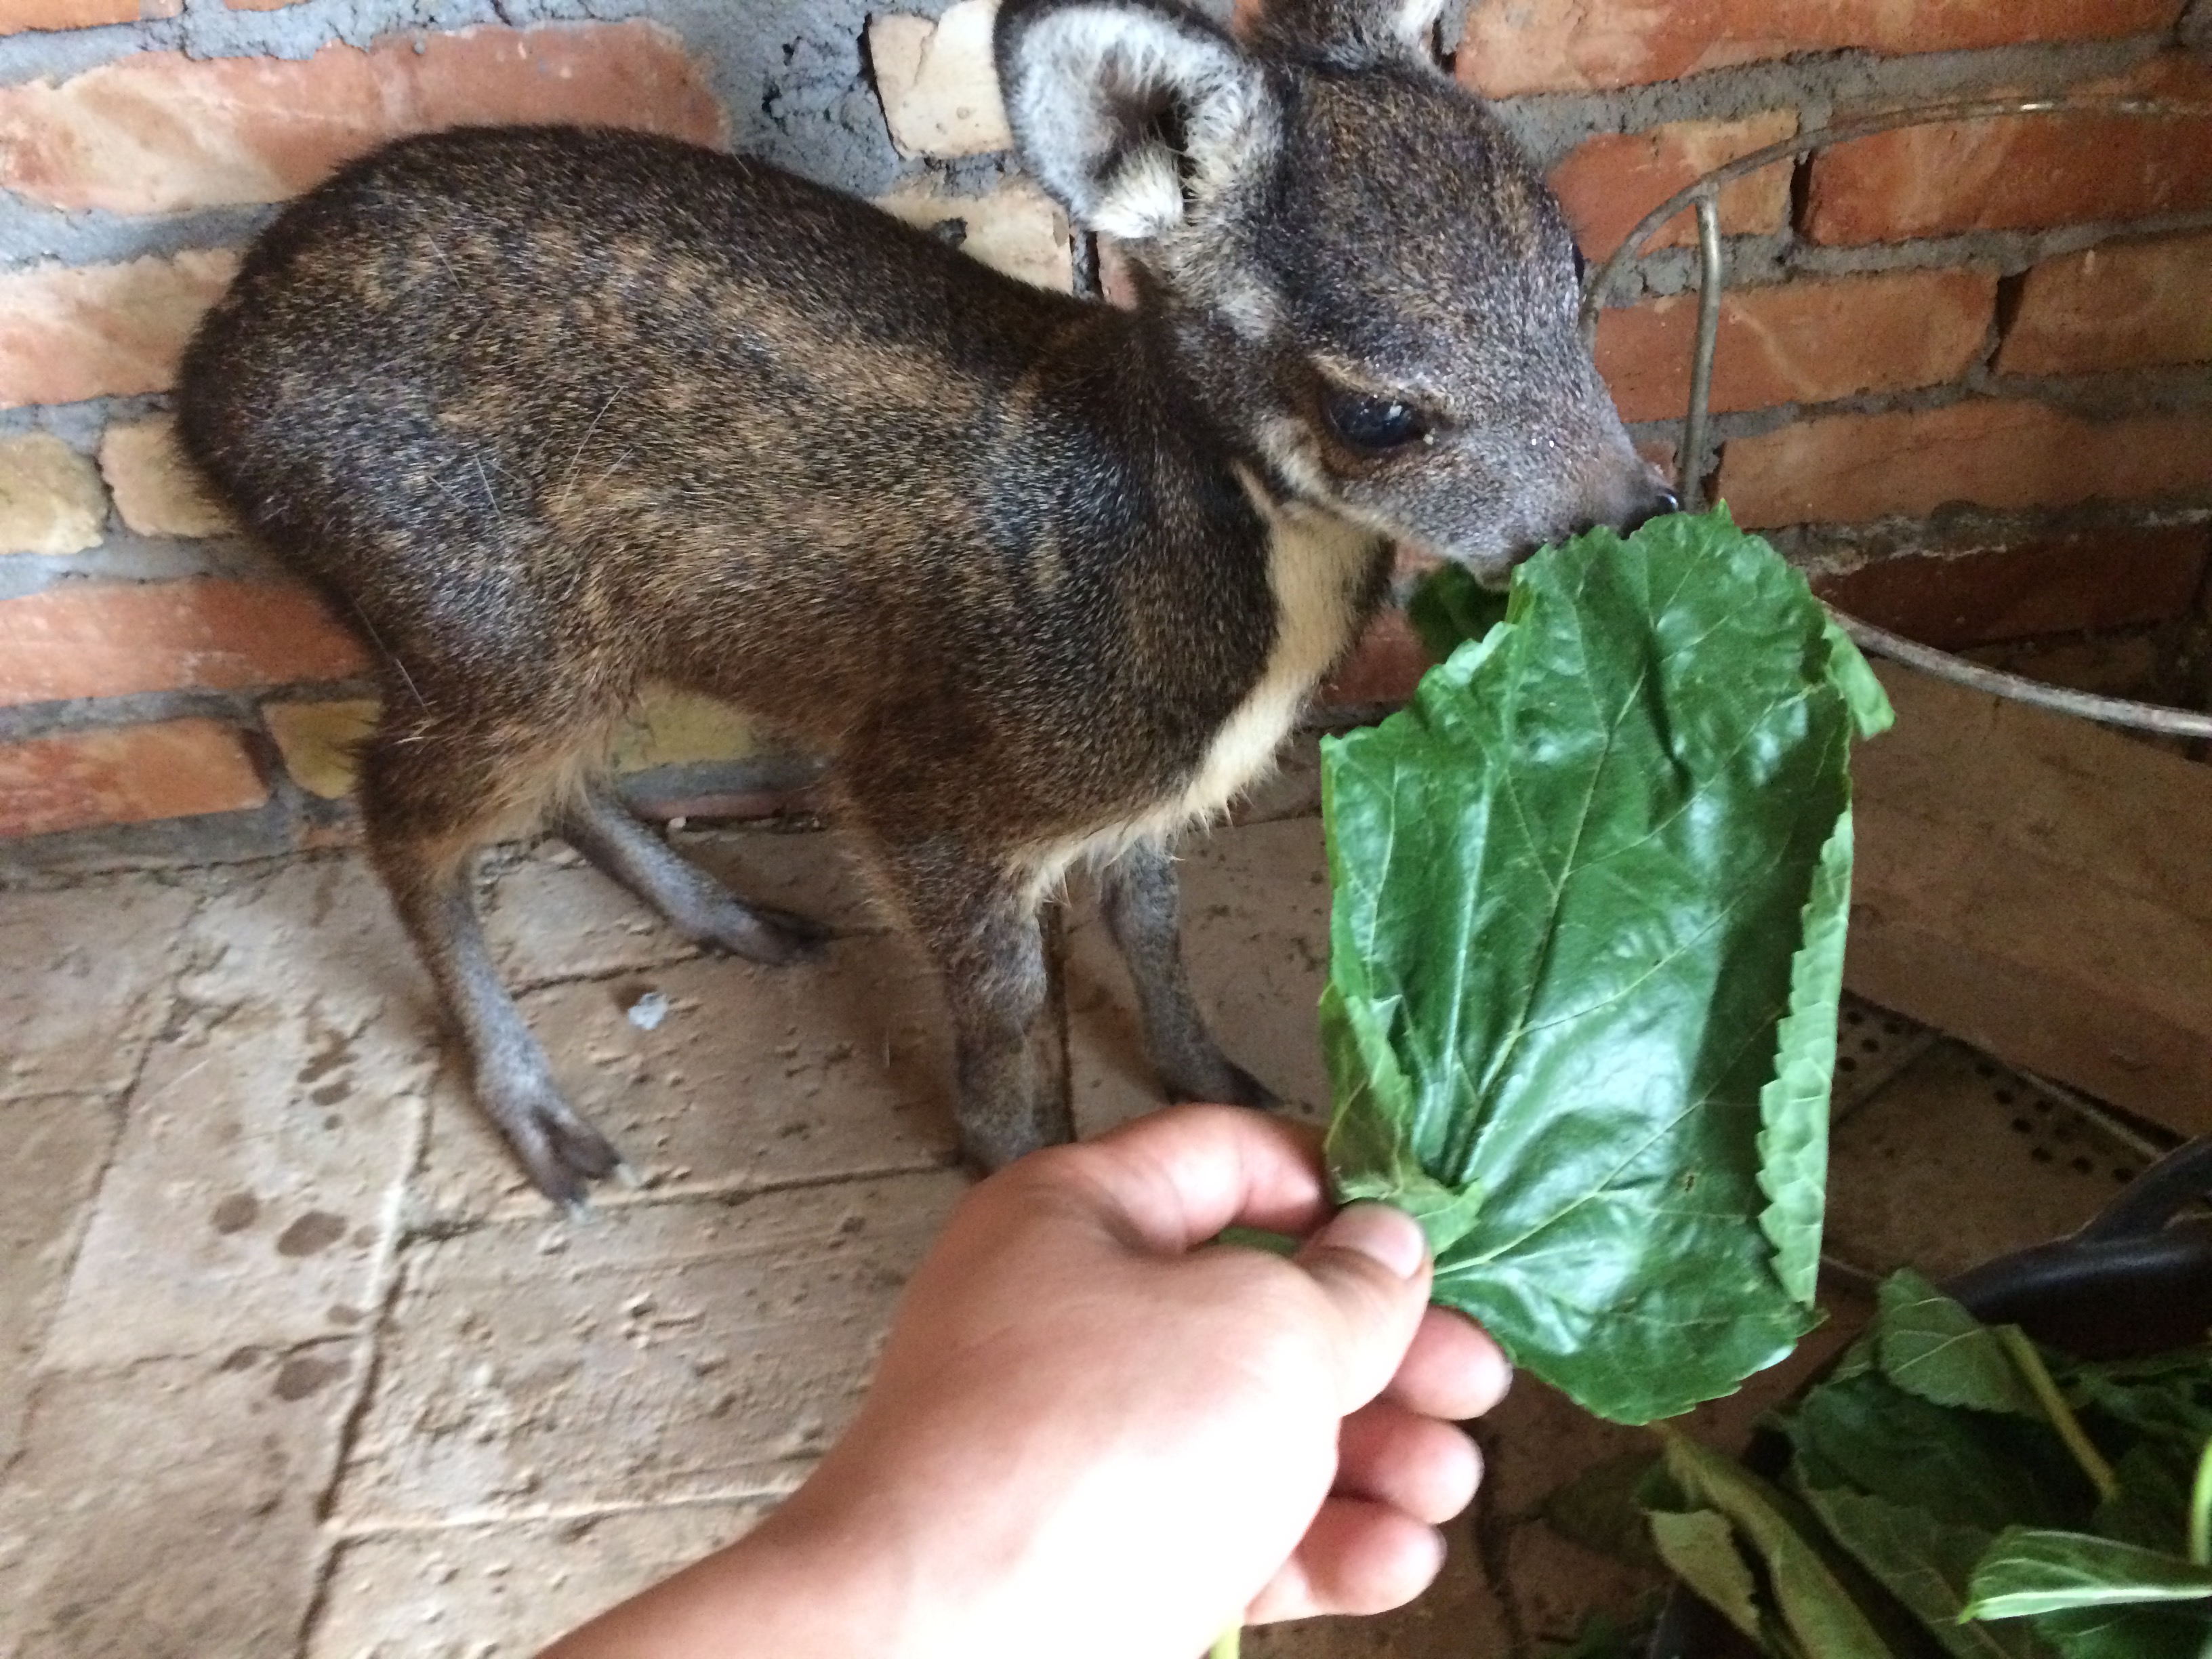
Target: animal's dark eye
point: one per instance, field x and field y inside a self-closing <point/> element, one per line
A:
<point x="1375" y="424"/>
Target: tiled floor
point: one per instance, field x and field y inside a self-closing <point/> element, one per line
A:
<point x="292" y="1365"/>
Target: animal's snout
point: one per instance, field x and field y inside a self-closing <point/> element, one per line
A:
<point x="1632" y="497"/>
<point x="1661" y="500"/>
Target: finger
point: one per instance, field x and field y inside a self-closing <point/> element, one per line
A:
<point x="1357" y="1557"/>
<point x="1453" y="1370"/>
<point x="1416" y="1465"/>
<point x="1173" y="1179"/>
<point x="1372" y="1264"/>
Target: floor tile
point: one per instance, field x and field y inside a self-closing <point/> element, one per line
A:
<point x="84" y="978"/>
<point x="51" y="1152"/>
<point x="1255" y="939"/>
<point x="253" y="1195"/>
<point x="495" y="1591"/>
<point x="168" y="1511"/>
<point x="747" y="1076"/>
<point x="550" y="916"/>
<point x="698" y="1351"/>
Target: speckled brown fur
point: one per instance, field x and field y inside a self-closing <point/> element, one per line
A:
<point x="559" y="414"/>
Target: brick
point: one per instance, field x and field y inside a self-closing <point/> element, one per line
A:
<point x="161" y="132"/>
<point x="1607" y="183"/>
<point x="17" y="16"/>
<point x="938" y="86"/>
<point x="1384" y="666"/>
<point x="680" y="728"/>
<point x="1513" y="47"/>
<point x="50" y="499"/>
<point x="2124" y="305"/>
<point x="316" y="741"/>
<point x="1017" y="228"/>
<point x="2022" y="173"/>
<point x="1991" y="451"/>
<point x="68" y="332"/>
<point x="113" y="639"/>
<point x="2102" y="578"/>
<point x="127" y="775"/>
<point x="157" y="491"/>
<point x="1806" y="341"/>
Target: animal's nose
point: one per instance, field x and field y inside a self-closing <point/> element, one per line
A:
<point x="1660" y="502"/>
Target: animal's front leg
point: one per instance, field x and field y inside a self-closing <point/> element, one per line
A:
<point x="975" y="917"/>
<point x="1142" y="898"/>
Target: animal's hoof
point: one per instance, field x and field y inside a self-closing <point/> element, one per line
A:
<point x="560" y="1152"/>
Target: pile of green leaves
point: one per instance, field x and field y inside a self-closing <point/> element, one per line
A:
<point x="1586" y="949"/>
<point x="1953" y="1489"/>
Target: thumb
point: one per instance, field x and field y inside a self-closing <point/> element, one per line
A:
<point x="1372" y="1263"/>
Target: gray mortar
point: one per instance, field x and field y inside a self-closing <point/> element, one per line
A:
<point x="1817" y="86"/>
<point x="238" y="709"/>
<point x="126" y="555"/>
<point x="31" y="861"/>
<point x="789" y="72"/>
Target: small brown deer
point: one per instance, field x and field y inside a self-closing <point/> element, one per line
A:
<point x="559" y="414"/>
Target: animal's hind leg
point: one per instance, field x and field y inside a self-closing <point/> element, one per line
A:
<point x="1141" y="898"/>
<point x="697" y="905"/>
<point x="428" y="802"/>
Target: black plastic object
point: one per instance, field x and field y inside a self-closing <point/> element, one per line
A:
<point x="2137" y="1280"/>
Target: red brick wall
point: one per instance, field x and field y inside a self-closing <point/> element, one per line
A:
<point x="1964" y="373"/>
<point x="139" y="641"/>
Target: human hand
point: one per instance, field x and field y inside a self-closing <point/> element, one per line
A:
<point x="1093" y="1433"/>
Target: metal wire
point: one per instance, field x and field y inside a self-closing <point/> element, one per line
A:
<point x="2109" y="711"/>
<point x="1689" y="475"/>
<point x="1702" y="195"/>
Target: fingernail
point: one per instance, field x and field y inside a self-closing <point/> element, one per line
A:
<point x="1380" y="1233"/>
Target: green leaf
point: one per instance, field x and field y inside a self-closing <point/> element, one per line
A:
<point x="2169" y="1400"/>
<point x="1932" y="1347"/>
<point x="1924" y="1563"/>
<point x="2029" y="1571"/>
<point x="2151" y="1509"/>
<point x="1603" y="1637"/>
<point x="1451" y="607"/>
<point x="1599" y="1509"/>
<point x="1822" y="1616"/>
<point x="1585" y="953"/>
<point x="1966" y="1468"/>
<point x="2167" y="1632"/>
<point x="1698" y="1547"/>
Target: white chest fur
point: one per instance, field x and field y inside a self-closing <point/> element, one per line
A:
<point x="1317" y="564"/>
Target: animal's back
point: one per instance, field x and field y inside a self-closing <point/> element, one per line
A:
<point x="560" y="386"/>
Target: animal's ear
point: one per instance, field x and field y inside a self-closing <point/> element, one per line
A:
<point x="1135" y="115"/>
<point x="1354" y="32"/>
